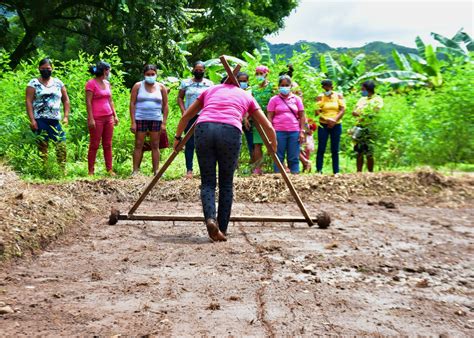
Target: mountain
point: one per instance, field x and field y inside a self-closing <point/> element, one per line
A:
<point x="382" y="48"/>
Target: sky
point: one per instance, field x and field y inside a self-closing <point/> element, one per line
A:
<point x="353" y="23"/>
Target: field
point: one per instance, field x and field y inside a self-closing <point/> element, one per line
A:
<point x="396" y="259"/>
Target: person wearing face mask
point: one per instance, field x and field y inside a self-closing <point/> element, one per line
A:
<point x="189" y="91"/>
<point x="101" y="115"/>
<point x="286" y="113"/>
<point x="366" y="109"/>
<point x="243" y="79"/>
<point x="262" y="92"/>
<point x="43" y="102"/>
<point x="148" y="114"/>
<point x="331" y="108"/>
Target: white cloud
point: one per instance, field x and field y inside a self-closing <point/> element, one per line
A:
<point x="352" y="23"/>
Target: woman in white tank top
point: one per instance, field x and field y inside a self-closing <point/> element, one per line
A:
<point x="148" y="114"/>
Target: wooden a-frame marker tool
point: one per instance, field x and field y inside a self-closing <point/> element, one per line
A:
<point x="322" y="219"/>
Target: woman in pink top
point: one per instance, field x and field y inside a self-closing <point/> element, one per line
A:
<point x="218" y="137"/>
<point x="286" y="113"/>
<point x="101" y="115"/>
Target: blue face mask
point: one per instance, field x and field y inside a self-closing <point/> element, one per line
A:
<point x="365" y="93"/>
<point x="244" y="85"/>
<point x="260" y="78"/>
<point x="284" y="90"/>
<point x="327" y="93"/>
<point x="150" y="79"/>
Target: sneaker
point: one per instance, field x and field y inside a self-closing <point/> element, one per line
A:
<point x="257" y="171"/>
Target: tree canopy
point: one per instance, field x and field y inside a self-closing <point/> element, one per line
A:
<point x="168" y="33"/>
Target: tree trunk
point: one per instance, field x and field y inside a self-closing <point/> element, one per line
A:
<point x="25" y="46"/>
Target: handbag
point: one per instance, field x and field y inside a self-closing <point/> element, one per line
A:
<point x="164" y="142"/>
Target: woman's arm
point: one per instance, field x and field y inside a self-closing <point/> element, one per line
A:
<point x="259" y="117"/>
<point x="187" y="116"/>
<point x="164" y="95"/>
<point x="132" y="108"/>
<point x="270" y="115"/>
<point x="66" y="104"/>
<point x="116" y="120"/>
<point x="181" y="94"/>
<point x="302" y="116"/>
<point x="30" y="96"/>
<point x="90" y="116"/>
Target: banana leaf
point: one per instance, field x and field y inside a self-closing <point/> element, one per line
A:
<point x="420" y="45"/>
<point x="231" y="59"/>
<point x="464" y="37"/>
<point x="445" y="41"/>
<point x="400" y="60"/>
<point x="432" y="59"/>
<point x="334" y="69"/>
<point x="451" y="52"/>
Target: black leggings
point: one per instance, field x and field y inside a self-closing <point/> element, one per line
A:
<point x="217" y="143"/>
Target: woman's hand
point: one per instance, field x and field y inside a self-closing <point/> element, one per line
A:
<point x="116" y="120"/>
<point x="317" y="112"/>
<point x="331" y="122"/>
<point x="133" y="128"/>
<point x="65" y="120"/>
<point x="175" y="144"/>
<point x="163" y="126"/>
<point x="33" y="125"/>
<point x="302" y="137"/>
<point x="91" y="124"/>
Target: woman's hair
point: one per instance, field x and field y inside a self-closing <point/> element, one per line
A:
<point x="197" y="63"/>
<point x="369" y="86"/>
<point x="239" y="74"/>
<point x="149" y="67"/>
<point x="326" y="83"/>
<point x="262" y="69"/>
<point x="99" y="68"/>
<point x="290" y="70"/>
<point x="45" y="61"/>
<point x="283" y="78"/>
<point x="224" y="78"/>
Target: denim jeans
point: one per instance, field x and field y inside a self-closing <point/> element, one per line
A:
<point x="189" y="147"/>
<point x="288" y="144"/>
<point x="323" y="134"/>
<point x="249" y="139"/>
<point x="217" y="143"/>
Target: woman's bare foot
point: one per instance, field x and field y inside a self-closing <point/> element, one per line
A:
<point x="213" y="230"/>
<point x="189" y="174"/>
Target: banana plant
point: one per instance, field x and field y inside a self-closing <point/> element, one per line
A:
<point x="349" y="72"/>
<point x="458" y="46"/>
<point x="214" y="69"/>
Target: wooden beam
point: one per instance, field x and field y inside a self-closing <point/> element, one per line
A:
<point x="196" y="218"/>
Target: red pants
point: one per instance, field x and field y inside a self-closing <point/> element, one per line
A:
<point x="104" y="129"/>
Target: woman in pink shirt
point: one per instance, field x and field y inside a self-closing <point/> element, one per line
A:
<point x="286" y="113"/>
<point x="101" y="115"/>
<point x="218" y="137"/>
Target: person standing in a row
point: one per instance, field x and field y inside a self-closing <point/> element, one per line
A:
<point x="43" y="102"/>
<point x="366" y="109"/>
<point x="262" y="92"/>
<point x="218" y="139"/>
<point x="286" y="113"/>
<point x="331" y="108"/>
<point x="148" y="114"/>
<point x="189" y="91"/>
<point x="101" y="115"/>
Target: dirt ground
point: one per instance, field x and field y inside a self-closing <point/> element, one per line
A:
<point x="399" y="268"/>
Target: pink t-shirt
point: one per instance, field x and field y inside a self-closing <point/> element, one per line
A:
<point x="283" y="118"/>
<point x="100" y="98"/>
<point x="227" y="104"/>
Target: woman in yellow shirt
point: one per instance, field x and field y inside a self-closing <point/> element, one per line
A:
<point x="331" y="110"/>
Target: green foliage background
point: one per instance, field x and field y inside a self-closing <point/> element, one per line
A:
<point x="421" y="126"/>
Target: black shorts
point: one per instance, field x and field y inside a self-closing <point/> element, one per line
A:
<point x="148" y="125"/>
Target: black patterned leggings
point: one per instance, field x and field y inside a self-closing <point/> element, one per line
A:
<point x="217" y="143"/>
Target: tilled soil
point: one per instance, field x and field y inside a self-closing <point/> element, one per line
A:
<point x="399" y="267"/>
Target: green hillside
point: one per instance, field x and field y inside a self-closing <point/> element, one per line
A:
<point x="381" y="50"/>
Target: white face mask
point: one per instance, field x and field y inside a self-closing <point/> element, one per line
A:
<point x="150" y="79"/>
